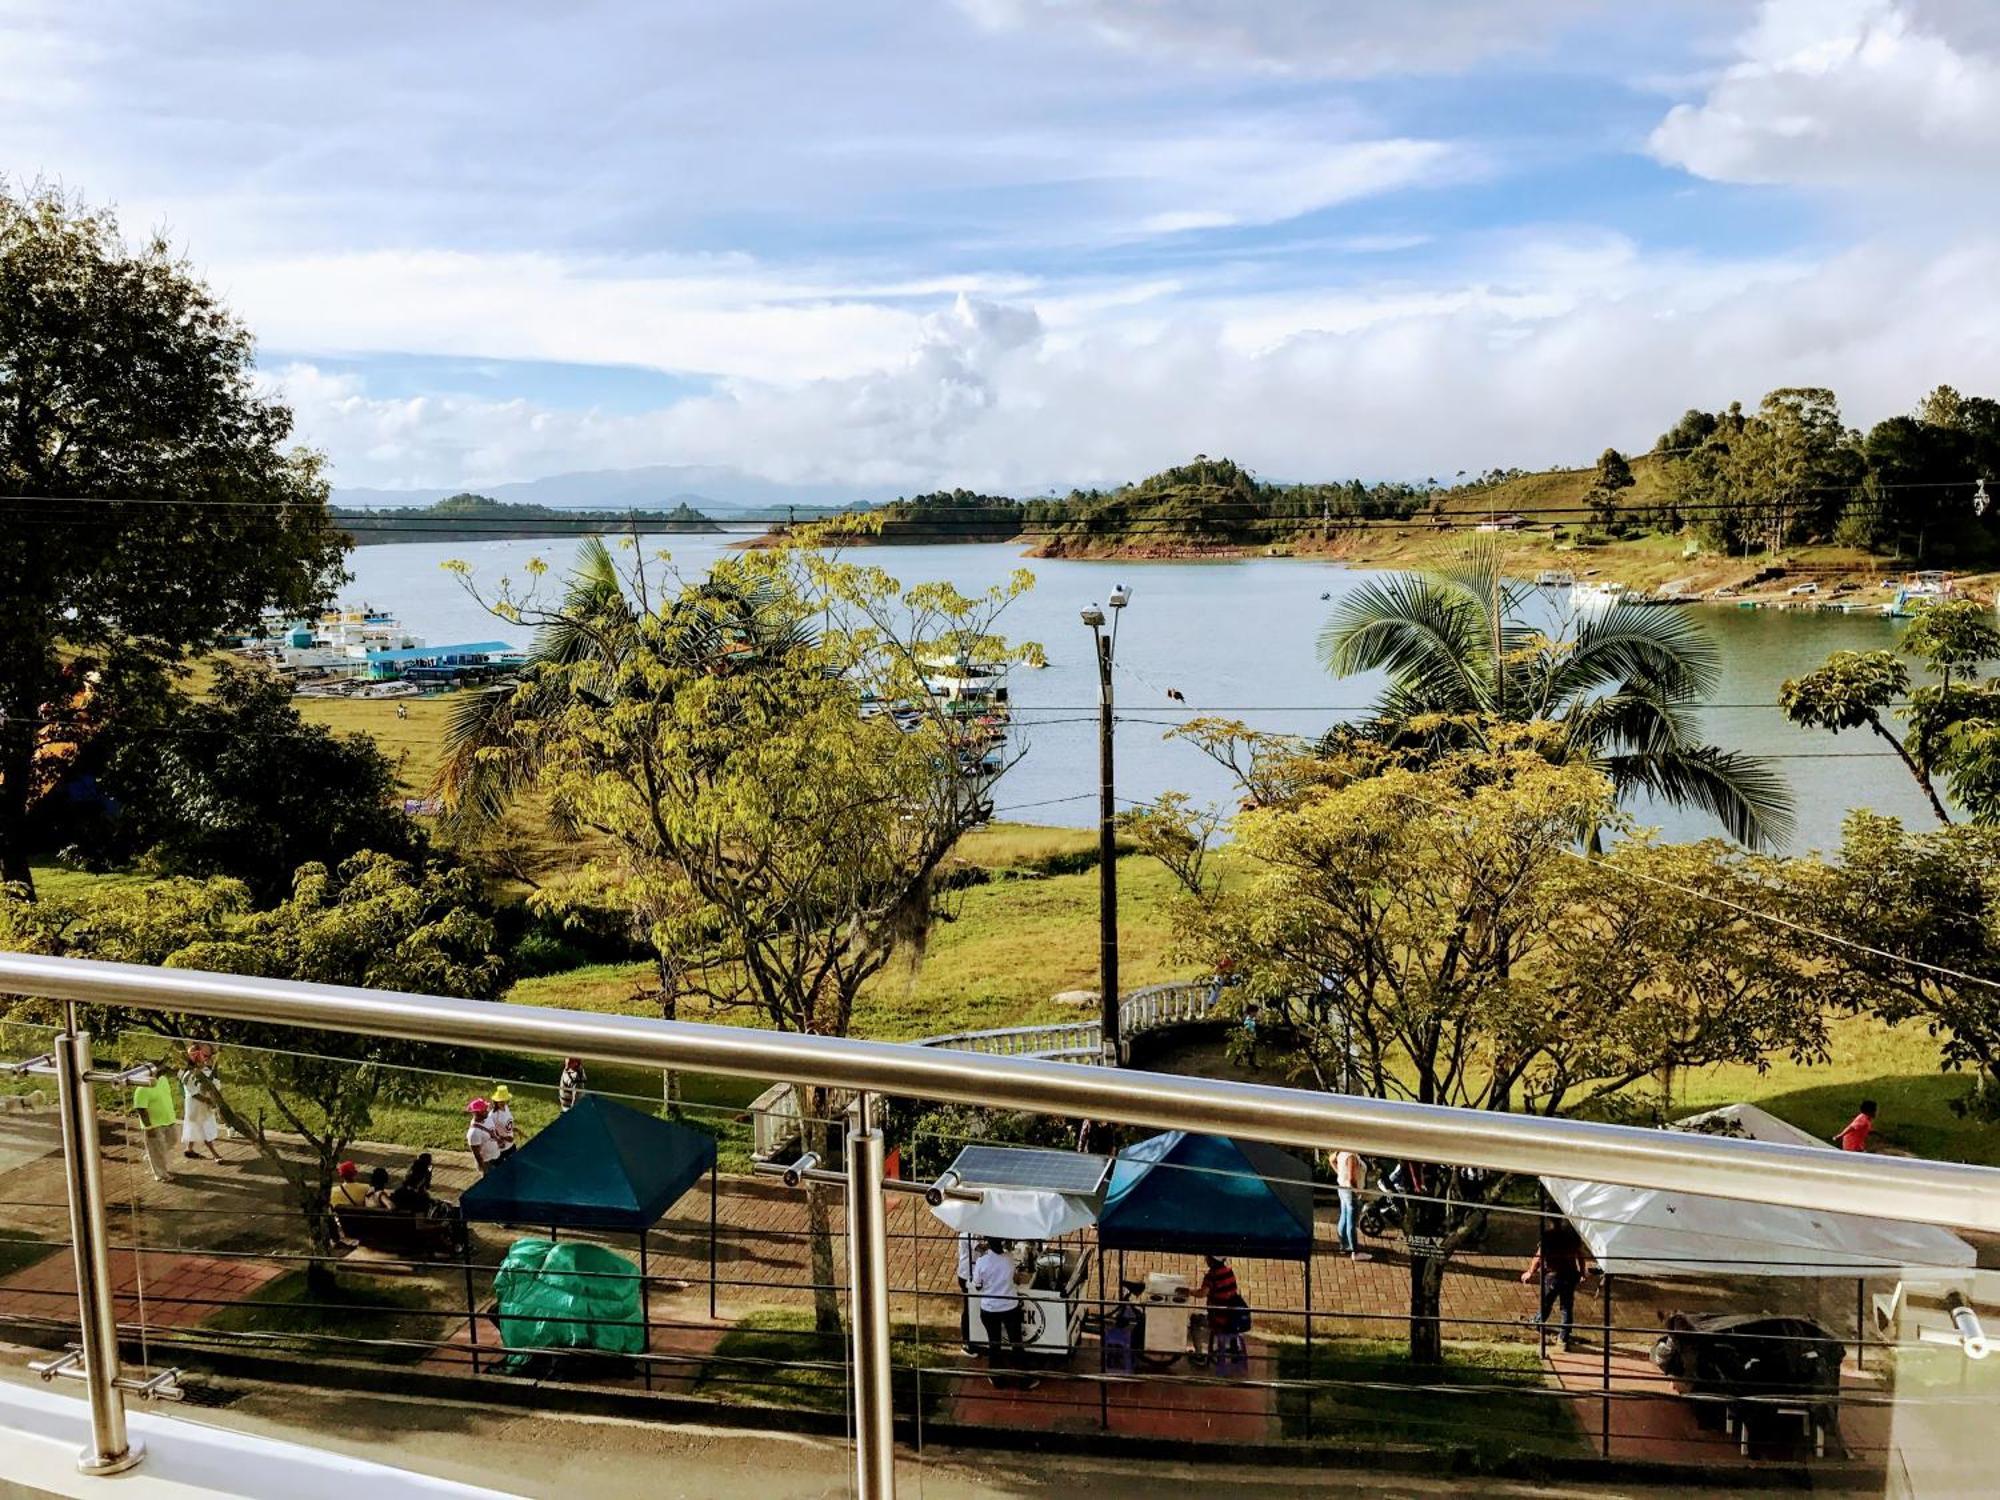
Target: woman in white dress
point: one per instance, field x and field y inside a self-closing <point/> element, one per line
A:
<point x="200" y="1124"/>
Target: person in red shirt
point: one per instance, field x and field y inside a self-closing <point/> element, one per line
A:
<point x="1855" y="1136"/>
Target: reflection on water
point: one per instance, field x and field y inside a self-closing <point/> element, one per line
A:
<point x="1234" y="637"/>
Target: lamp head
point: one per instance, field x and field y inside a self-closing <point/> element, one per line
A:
<point x="1120" y="597"/>
<point x="1093" y="616"/>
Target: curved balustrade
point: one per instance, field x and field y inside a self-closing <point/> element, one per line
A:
<point x="1148" y="1009"/>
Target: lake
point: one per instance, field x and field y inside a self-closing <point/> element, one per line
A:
<point x="1233" y="637"/>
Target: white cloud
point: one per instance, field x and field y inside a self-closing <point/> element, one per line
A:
<point x="1888" y="93"/>
<point x="1557" y="348"/>
<point x="1346" y="38"/>
<point x="1269" y="174"/>
<point x="725" y="316"/>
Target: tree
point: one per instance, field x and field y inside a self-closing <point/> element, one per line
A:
<point x="155" y="504"/>
<point x="1613" y="475"/>
<point x="1920" y="913"/>
<point x="375" y="922"/>
<point x="239" y="783"/>
<point x="1433" y="933"/>
<point x="775" y="836"/>
<point x="1954" y="722"/>
<point x="1621" y="689"/>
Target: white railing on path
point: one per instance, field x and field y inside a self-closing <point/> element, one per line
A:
<point x="774" y="1114"/>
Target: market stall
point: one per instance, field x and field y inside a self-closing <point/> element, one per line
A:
<point x="600" y="1167"/>
<point x="1031" y="1199"/>
<point x="1202" y="1195"/>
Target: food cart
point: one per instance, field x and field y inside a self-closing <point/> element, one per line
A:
<point x="1031" y="1199"/>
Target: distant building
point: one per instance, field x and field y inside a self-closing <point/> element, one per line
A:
<point x="445" y="666"/>
<point x="1502" y="523"/>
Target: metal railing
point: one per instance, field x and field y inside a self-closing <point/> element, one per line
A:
<point x="1149" y="1009"/>
<point x="1917" y="1191"/>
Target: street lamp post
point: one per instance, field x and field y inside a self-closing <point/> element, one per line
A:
<point x="1106" y="643"/>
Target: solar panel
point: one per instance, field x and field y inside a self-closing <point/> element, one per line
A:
<point x="1032" y="1167"/>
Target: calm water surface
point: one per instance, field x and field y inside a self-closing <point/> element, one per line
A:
<point x="1233" y="637"/>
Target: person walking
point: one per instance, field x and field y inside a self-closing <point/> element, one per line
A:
<point x="1855" y="1136"/>
<point x="1350" y="1176"/>
<point x="479" y="1137"/>
<point x="993" y="1276"/>
<point x="1251" y="1016"/>
<point x="1561" y="1259"/>
<point x="200" y="1122"/>
<point x="571" y="1084"/>
<point x="153" y="1103"/>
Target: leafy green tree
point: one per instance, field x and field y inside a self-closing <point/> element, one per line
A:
<point x="240" y="783"/>
<point x="1621" y="688"/>
<point x="1432" y="933"/>
<point x="375" y="923"/>
<point x="1932" y="898"/>
<point x="156" y="503"/>
<point x="1613" y="475"/>
<point x="775" y="836"/>
<point x="1954" y="723"/>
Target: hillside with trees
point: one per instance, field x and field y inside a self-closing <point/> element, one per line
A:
<point x="458" y="516"/>
<point x="1737" y="482"/>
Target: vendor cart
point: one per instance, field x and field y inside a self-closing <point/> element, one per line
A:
<point x="1030" y="1200"/>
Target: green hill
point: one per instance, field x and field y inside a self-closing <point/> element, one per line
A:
<point x="468" y="515"/>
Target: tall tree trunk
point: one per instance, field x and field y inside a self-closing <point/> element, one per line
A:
<point x="17" y="763"/>
<point x="814" y="1136"/>
<point x="1424" y="1225"/>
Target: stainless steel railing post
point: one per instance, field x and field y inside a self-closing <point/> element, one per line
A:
<point x="868" y="1303"/>
<point x="111" y="1450"/>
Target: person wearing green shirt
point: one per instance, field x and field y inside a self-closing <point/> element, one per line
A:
<point x="153" y="1103"/>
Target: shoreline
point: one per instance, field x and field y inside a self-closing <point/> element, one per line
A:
<point x="1844" y="581"/>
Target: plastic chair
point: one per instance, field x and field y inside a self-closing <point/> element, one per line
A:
<point x="1116" y="1344"/>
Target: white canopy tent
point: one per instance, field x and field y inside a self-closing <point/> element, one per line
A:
<point x="1646" y="1232"/>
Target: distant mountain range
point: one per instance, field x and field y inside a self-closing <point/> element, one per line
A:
<point x="723" y="493"/>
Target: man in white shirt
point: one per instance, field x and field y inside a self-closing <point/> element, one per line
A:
<point x="1000" y="1313"/>
<point x="479" y="1137"/>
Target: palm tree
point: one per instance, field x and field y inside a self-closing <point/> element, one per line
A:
<point x="1621" y="686"/>
<point x="723" y="623"/>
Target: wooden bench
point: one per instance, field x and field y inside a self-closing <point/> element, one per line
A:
<point x="394" y="1232"/>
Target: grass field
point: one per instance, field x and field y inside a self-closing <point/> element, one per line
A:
<point x="1488" y="1399"/>
<point x="357" y="1317"/>
<point x="772" y="1355"/>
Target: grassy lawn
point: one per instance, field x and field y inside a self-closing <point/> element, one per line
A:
<point x="357" y="1308"/>
<point x="22" y="1248"/>
<point x="1897" y="1067"/>
<point x="786" y="1335"/>
<point x="1381" y="1398"/>
<point x="1009" y="946"/>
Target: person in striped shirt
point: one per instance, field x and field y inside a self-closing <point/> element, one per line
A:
<point x="1218" y="1290"/>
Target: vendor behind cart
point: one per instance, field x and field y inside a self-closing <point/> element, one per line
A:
<point x="994" y="1277"/>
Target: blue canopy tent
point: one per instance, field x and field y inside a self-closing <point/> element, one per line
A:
<point x="601" y="1166"/>
<point x="1210" y="1195"/>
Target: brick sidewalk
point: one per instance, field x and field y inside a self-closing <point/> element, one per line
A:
<point x="153" y="1288"/>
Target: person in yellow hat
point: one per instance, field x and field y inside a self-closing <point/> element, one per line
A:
<point x="500" y="1120"/>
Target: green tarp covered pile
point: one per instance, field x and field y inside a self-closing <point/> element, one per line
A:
<point x="568" y="1296"/>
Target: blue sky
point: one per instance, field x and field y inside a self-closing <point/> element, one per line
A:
<point x="1023" y="243"/>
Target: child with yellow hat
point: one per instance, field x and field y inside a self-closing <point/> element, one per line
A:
<point x="500" y="1119"/>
